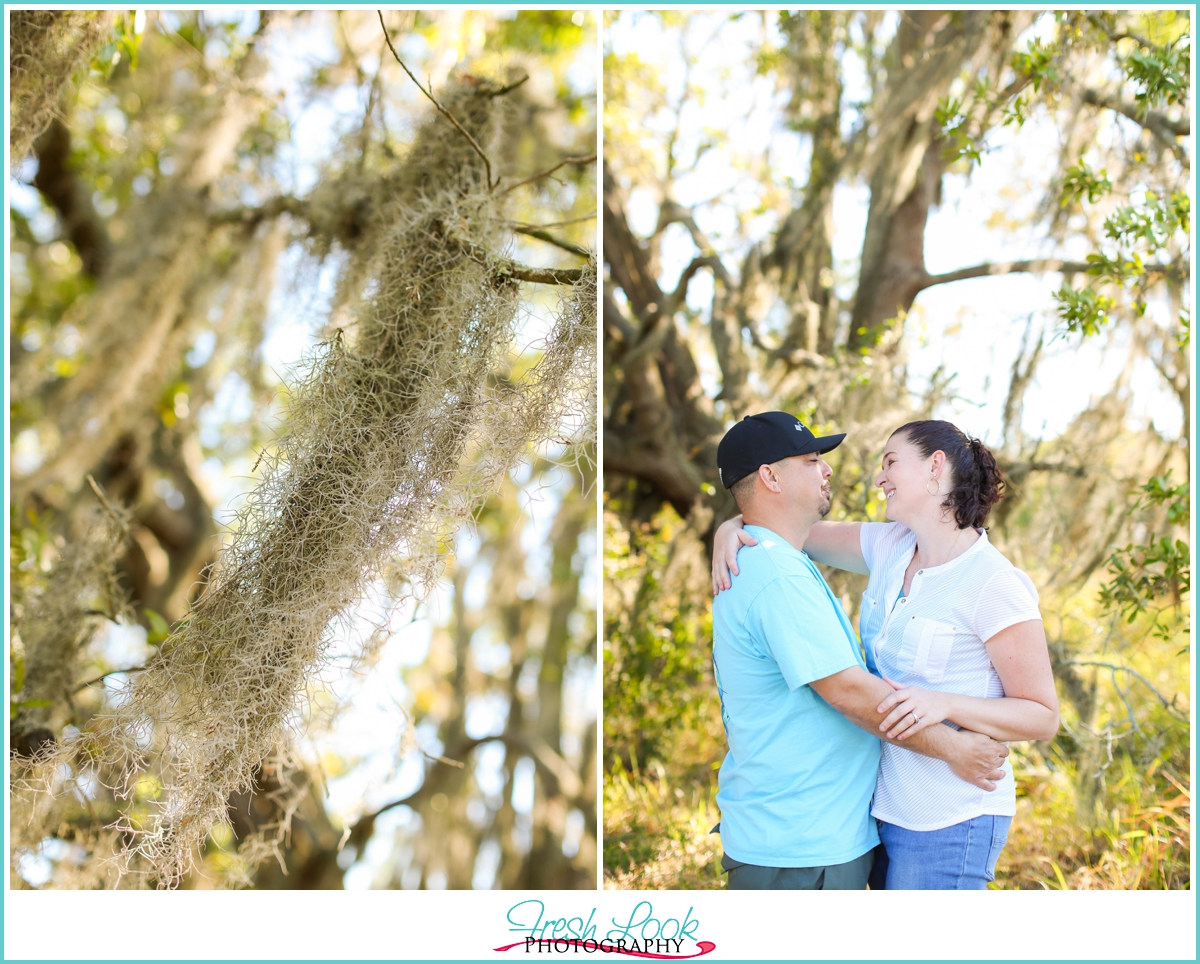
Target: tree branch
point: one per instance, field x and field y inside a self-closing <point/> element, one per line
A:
<point x="677" y="297"/>
<point x="628" y="260"/>
<point x="988" y="269"/>
<point x="1035" y="266"/>
<point x="542" y="276"/>
<point x="550" y="170"/>
<point x="56" y="178"/>
<point x="442" y="110"/>
<point x="268" y="211"/>
<point x="1159" y="124"/>
<point x="555" y="224"/>
<point x="509" y="88"/>
<point x="1115" y="668"/>
<point x="103" y="676"/>
<point x="619" y="327"/>
<point x="1076" y="470"/>
<point x="1099" y="24"/>
<point x="108" y="506"/>
<point x="545" y="755"/>
<point x="551" y="239"/>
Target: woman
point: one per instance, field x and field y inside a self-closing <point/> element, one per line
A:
<point x="954" y="628"/>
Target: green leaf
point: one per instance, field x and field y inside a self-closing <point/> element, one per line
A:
<point x="1161" y="73"/>
<point x="1080" y="181"/>
<point x="1084" y="310"/>
<point x="17" y="683"/>
<point x="159" y="628"/>
<point x="1037" y="64"/>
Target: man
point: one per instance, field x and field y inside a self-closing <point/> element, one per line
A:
<point x="798" y="696"/>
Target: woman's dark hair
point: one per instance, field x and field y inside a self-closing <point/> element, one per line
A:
<point x="978" y="482"/>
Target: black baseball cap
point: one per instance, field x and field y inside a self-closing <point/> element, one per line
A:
<point x="762" y="439"/>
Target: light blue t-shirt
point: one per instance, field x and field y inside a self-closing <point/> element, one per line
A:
<point x="796" y="785"/>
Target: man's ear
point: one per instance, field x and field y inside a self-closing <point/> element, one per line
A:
<point x="768" y="477"/>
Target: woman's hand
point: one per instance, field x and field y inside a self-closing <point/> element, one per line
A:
<point x="729" y="538"/>
<point x="910" y="709"/>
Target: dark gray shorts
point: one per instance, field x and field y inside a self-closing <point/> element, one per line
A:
<point x="851" y="875"/>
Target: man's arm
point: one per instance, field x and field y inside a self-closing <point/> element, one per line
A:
<point x="855" y="694"/>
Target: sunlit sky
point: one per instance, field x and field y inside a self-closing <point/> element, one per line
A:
<point x="972" y="328"/>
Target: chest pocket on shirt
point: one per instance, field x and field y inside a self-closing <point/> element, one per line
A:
<point x="925" y="649"/>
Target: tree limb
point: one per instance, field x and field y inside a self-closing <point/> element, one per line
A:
<point x="267" y="211"/>
<point x="555" y="224"/>
<point x="1115" y="668"/>
<point x="60" y="185"/>
<point x="116" y="516"/>
<point x="620" y="327"/>
<point x="550" y="170"/>
<point x="628" y="260"/>
<point x="537" y="748"/>
<point x="1159" y="124"/>
<point x="1099" y="24"/>
<point x="441" y="110"/>
<point x="542" y="276"/>
<point x="508" y="88"/>
<point x="551" y="239"/>
<point x="1076" y="470"/>
<point x="1037" y="265"/>
<point x="103" y="676"/>
<point x="251" y="216"/>
<point x="675" y="300"/>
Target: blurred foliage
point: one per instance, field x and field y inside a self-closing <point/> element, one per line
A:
<point x="1145" y="573"/>
<point x="1151" y="56"/>
<point x="656" y="653"/>
<point x="663" y="736"/>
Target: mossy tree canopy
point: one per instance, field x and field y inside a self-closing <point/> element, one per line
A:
<point x="209" y="182"/>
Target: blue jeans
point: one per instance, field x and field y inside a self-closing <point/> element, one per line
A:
<point x="961" y="857"/>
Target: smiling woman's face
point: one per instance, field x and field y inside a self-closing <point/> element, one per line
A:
<point x="905" y="478"/>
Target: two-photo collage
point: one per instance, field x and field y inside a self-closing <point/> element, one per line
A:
<point x="599" y="449"/>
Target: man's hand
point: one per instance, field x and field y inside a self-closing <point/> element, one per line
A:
<point x="976" y="758"/>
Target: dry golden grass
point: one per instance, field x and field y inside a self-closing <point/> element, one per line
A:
<point x="657" y="834"/>
<point x="1136" y="846"/>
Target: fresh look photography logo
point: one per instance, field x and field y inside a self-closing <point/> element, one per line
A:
<point x="642" y="933"/>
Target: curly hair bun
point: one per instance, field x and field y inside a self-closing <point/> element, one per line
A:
<point x="978" y="482"/>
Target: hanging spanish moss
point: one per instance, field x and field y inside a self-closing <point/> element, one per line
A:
<point x="47" y="47"/>
<point x="395" y="437"/>
<point x="552" y="404"/>
<point x="54" y="621"/>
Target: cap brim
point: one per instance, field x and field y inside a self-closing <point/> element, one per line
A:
<point x="826" y="444"/>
